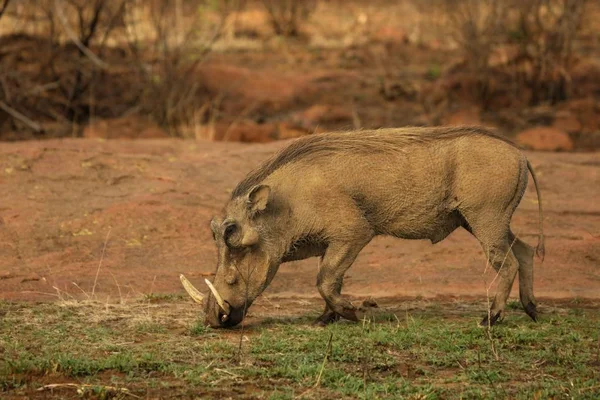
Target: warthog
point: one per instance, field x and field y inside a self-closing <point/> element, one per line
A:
<point x="328" y="195"/>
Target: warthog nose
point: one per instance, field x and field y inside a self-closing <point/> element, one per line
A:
<point x="222" y="316"/>
<point x="232" y="319"/>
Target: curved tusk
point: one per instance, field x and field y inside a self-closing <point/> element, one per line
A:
<point x="192" y="291"/>
<point x="216" y="294"/>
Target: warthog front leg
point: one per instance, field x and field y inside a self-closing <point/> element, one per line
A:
<point x="329" y="316"/>
<point x="332" y="267"/>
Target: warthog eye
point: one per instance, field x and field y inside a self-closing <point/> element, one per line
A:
<point x="229" y="231"/>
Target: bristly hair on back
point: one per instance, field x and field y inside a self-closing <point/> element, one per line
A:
<point x="362" y="141"/>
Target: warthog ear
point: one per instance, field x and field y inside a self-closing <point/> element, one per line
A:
<point x="215" y="223"/>
<point x="258" y="198"/>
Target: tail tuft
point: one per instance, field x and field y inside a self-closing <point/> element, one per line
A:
<point x="540" y="249"/>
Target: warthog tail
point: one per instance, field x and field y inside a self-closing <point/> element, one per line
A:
<point x="540" y="249"/>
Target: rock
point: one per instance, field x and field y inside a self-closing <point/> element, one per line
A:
<point x="320" y="114"/>
<point x="248" y="23"/>
<point x="267" y="92"/>
<point x="390" y="35"/>
<point x="393" y="89"/>
<point x="540" y="115"/>
<point x="132" y="127"/>
<point x="468" y="116"/>
<point x="589" y="141"/>
<point x="545" y="138"/>
<point x="566" y="121"/>
<point x="503" y="55"/>
<point x="585" y="77"/>
<point x="249" y="132"/>
<point x="251" y="93"/>
<point x="587" y="112"/>
<point x="6" y="275"/>
<point x="206" y="131"/>
<point x="31" y="277"/>
<point x="290" y="131"/>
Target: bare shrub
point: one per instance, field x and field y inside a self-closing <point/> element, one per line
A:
<point x="287" y="15"/>
<point x="546" y="32"/>
<point x="521" y="43"/>
<point x="67" y="62"/>
<point x="3" y="7"/>
<point x="168" y="43"/>
<point x="61" y="45"/>
<point x="94" y="23"/>
<point x="478" y="27"/>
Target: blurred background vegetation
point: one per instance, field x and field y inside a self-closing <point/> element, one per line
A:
<point x="265" y="70"/>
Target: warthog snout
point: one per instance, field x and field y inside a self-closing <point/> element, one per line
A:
<point x="219" y="312"/>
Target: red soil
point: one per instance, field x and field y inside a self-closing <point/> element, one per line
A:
<point x="123" y="218"/>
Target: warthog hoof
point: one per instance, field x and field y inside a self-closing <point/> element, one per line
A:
<point x="495" y="318"/>
<point x="328" y="317"/>
<point x="351" y="314"/>
<point x="531" y="310"/>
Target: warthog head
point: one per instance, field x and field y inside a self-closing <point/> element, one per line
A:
<point x="247" y="260"/>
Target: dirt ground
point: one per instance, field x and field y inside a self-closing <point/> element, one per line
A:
<point x="120" y="219"/>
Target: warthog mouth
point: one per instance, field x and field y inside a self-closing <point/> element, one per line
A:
<point x="235" y="316"/>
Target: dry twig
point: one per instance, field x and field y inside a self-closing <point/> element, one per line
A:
<point x="18" y="116"/>
<point x="100" y="263"/>
<point x="82" y="388"/>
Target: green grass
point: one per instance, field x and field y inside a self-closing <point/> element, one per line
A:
<point x="164" y="350"/>
<point x="433" y="72"/>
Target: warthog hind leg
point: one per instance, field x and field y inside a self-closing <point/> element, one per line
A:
<point x="493" y="235"/>
<point x="524" y="254"/>
<point x="502" y="258"/>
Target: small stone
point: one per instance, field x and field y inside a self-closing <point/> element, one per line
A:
<point x="249" y="132"/>
<point x="391" y="34"/>
<point x="6" y="275"/>
<point x="290" y="131"/>
<point x="545" y="138"/>
<point x="131" y="127"/>
<point x="565" y="121"/>
<point x="31" y="277"/>
<point x="465" y="117"/>
<point x="320" y="114"/>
